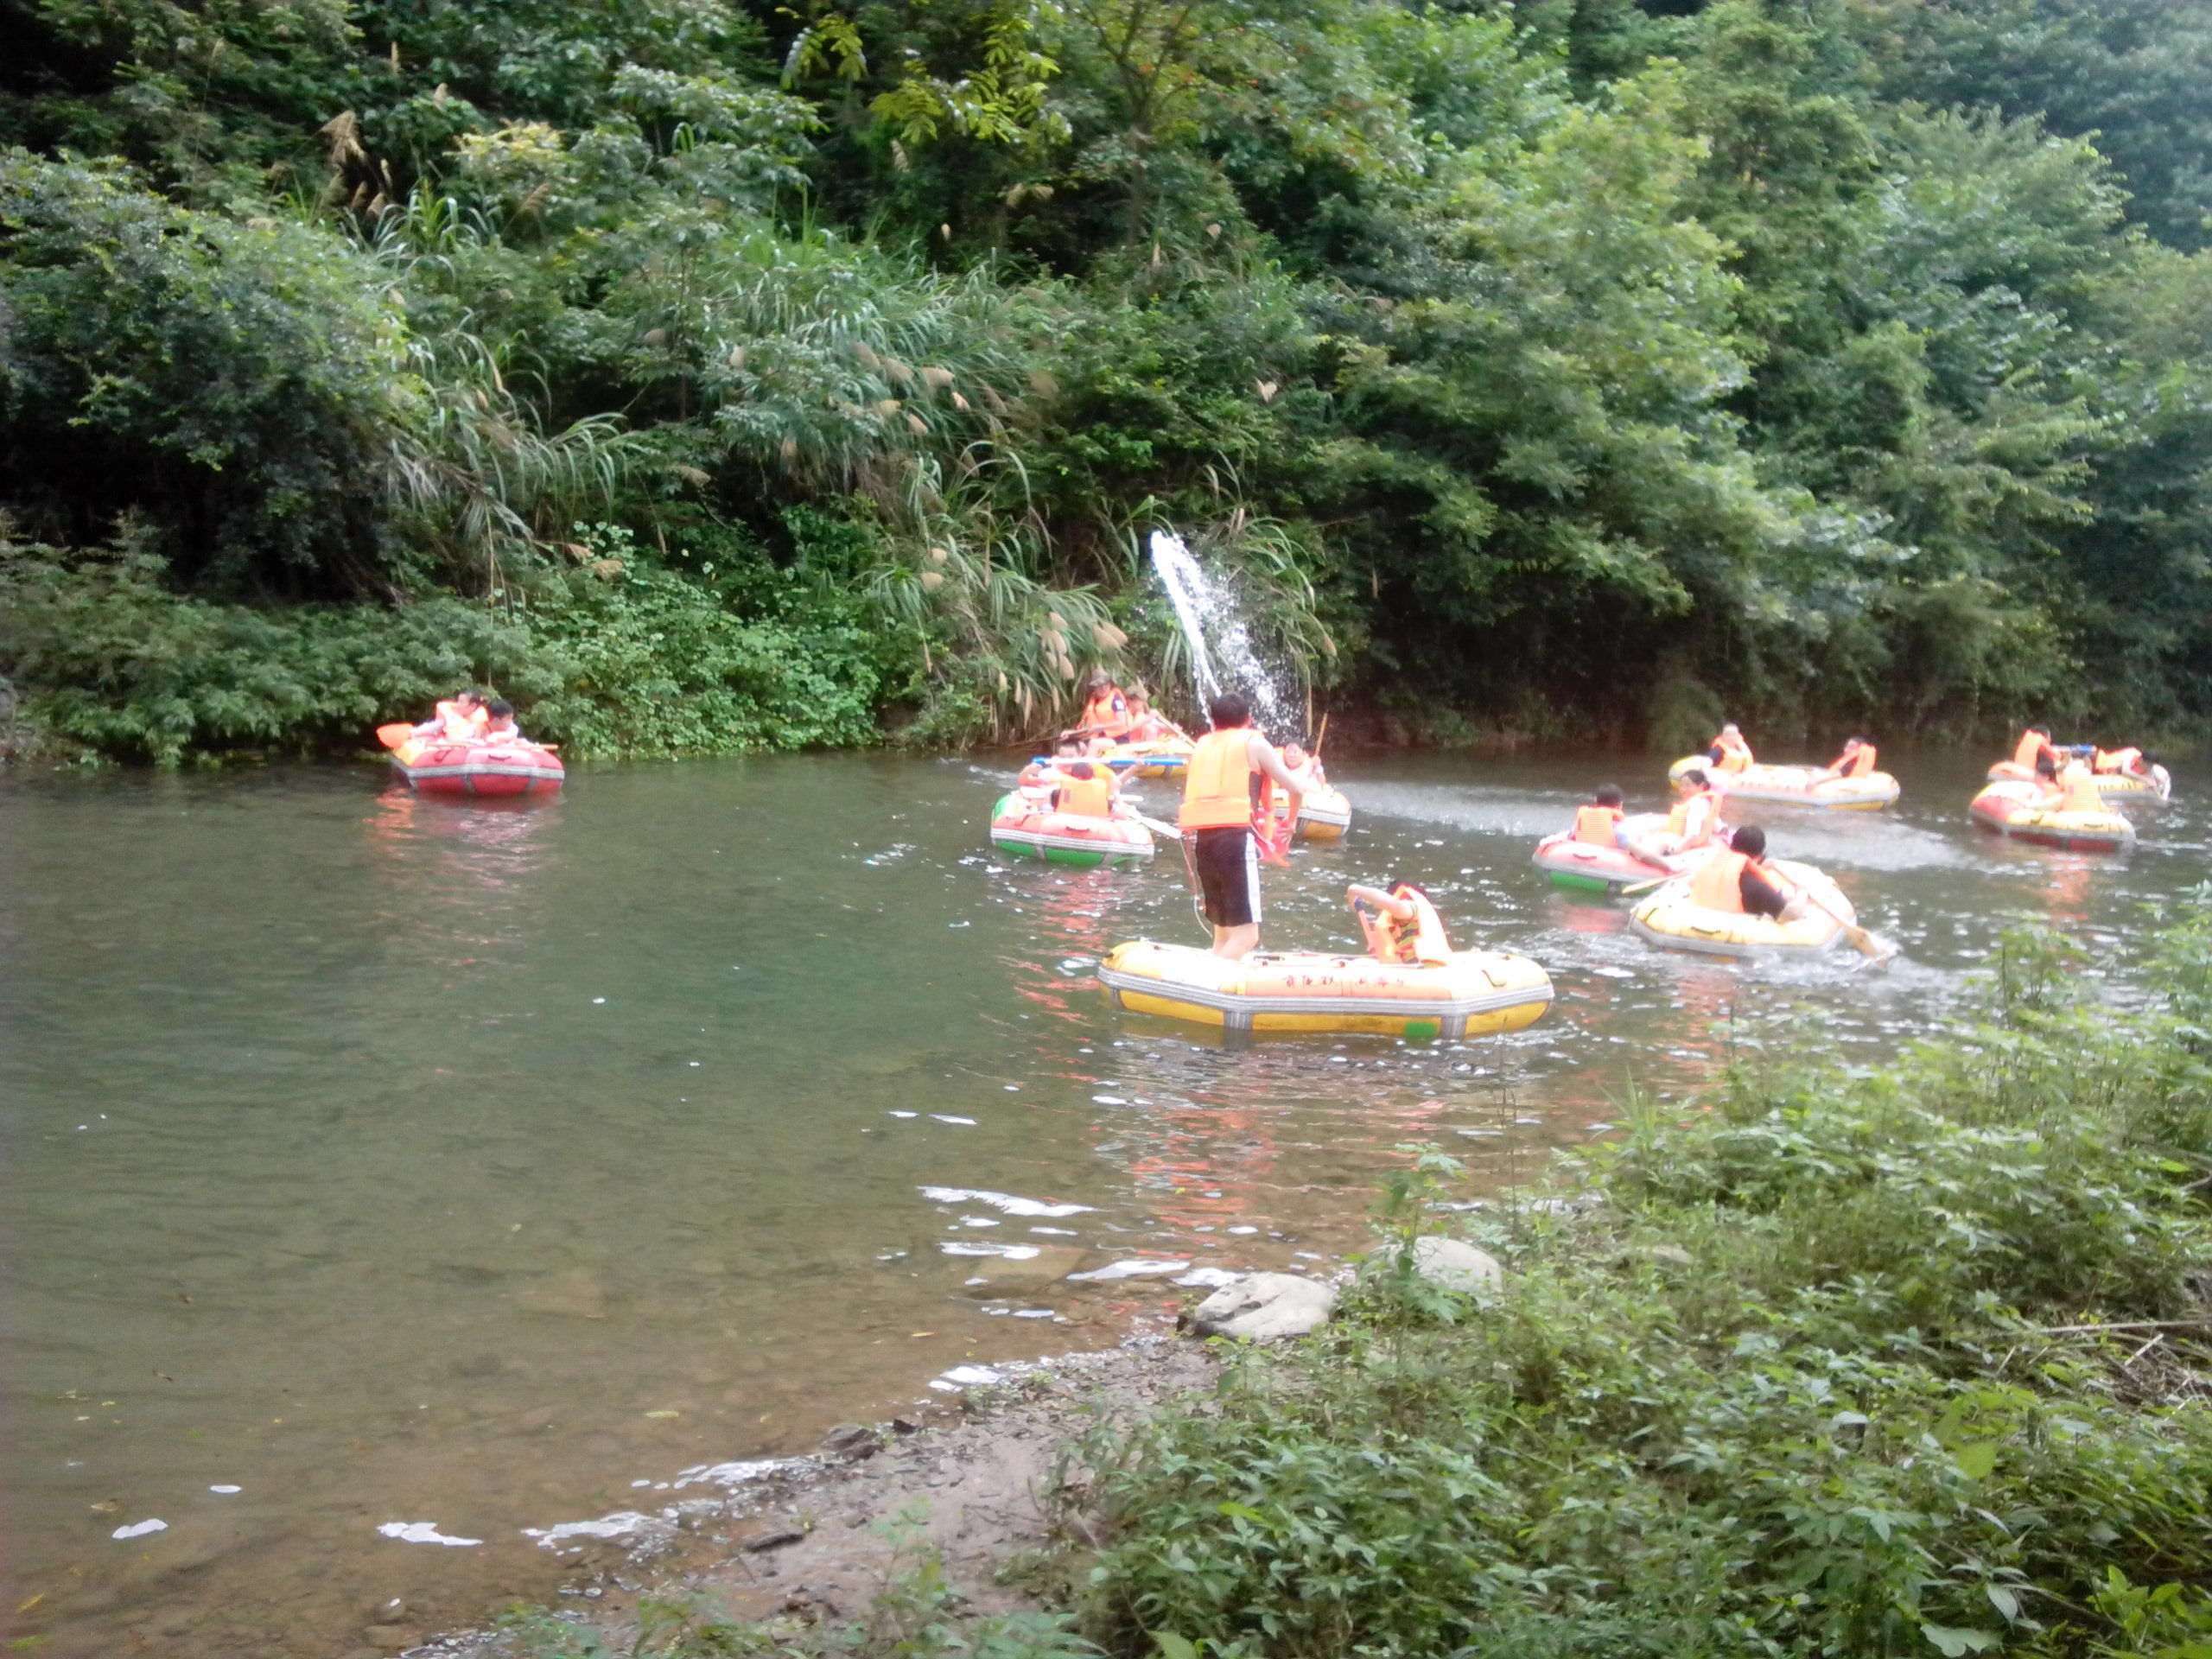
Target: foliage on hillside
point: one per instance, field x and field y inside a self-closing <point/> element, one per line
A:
<point x="1841" y="361"/>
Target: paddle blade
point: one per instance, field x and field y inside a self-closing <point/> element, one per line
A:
<point x="393" y="735"/>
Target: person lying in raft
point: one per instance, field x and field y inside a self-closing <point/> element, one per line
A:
<point x="1401" y="925"/>
<point x="1088" y="789"/>
<point x="461" y="718"/>
<point x="1147" y="724"/>
<point x="1598" y="824"/>
<point x="1728" y="752"/>
<point x="1857" y="760"/>
<point x="2124" y="763"/>
<point x="1043" y="773"/>
<point x="1694" y="824"/>
<point x="1739" y="880"/>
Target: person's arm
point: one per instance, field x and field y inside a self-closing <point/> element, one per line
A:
<point x="1761" y="896"/>
<point x="1401" y="909"/>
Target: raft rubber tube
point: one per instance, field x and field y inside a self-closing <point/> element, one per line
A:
<point x="2112" y="786"/>
<point x="1323" y="815"/>
<point x="1796" y="786"/>
<point x="437" y="766"/>
<point x="1028" y="829"/>
<point x="1669" y="920"/>
<point x="1476" y="993"/>
<point x="1584" y="866"/>
<point x="1164" y="757"/>
<point x="2016" y="809"/>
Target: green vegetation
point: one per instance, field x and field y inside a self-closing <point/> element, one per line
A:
<point x="1843" y="1361"/>
<point x="731" y="375"/>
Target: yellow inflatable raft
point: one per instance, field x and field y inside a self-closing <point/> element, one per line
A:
<point x="1669" y="919"/>
<point x="2112" y="786"/>
<point x="2023" y="812"/>
<point x="1796" y="786"/>
<point x="1477" y="993"/>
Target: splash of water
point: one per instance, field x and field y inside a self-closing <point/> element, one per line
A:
<point x="1207" y="611"/>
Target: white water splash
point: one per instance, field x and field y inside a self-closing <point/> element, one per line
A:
<point x="1207" y="612"/>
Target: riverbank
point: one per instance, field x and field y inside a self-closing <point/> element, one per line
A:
<point x="1839" y="1360"/>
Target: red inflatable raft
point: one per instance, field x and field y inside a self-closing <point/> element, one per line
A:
<point x="437" y="766"/>
<point x="1583" y="867"/>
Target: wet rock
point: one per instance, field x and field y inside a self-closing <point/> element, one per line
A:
<point x="391" y="1638"/>
<point x="768" y="1541"/>
<point x="1263" y="1307"/>
<point x="1000" y="1275"/>
<point x="1456" y="1265"/>
<point x="852" y="1441"/>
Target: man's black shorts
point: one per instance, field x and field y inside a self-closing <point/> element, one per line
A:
<point x="1229" y="875"/>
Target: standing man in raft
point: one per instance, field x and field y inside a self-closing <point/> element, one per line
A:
<point x="1223" y="786"/>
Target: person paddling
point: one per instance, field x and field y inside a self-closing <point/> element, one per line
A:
<point x="1043" y="773"/>
<point x="1224" y="786"/>
<point x="1147" y="724"/>
<point x="1857" y="760"/>
<point x="1087" y="790"/>
<point x="1739" y="880"/>
<point x="1105" y="714"/>
<point x="1401" y="925"/>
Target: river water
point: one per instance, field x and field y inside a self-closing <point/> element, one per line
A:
<point x="370" y="1160"/>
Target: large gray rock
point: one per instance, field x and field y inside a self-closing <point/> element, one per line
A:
<point x="1263" y="1306"/>
<point x="1455" y="1265"/>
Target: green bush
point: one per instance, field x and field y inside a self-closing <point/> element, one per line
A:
<point x="1799" y="1371"/>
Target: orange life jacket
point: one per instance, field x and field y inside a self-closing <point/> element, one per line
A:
<point x="1858" y="765"/>
<point x="2115" y="759"/>
<point x="1595" y="824"/>
<point x="1678" y="820"/>
<point x="1218" y="781"/>
<point x="1387" y="936"/>
<point x="2077" y="791"/>
<point x="1718" y="883"/>
<point x="459" y="728"/>
<point x="1735" y="754"/>
<point x="2032" y="747"/>
<point x="1085" y="797"/>
<point x="1107" y="712"/>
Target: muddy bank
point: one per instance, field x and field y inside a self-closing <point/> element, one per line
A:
<point x="817" y="1537"/>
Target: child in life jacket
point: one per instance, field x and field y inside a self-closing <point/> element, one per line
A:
<point x="1146" y="725"/>
<point x="459" y="719"/>
<point x="1729" y="751"/>
<point x="1401" y="925"/>
<point x="1105" y="715"/>
<point x="1857" y="760"/>
<point x="1693" y="824"/>
<point x="1088" y="790"/>
<point x="1599" y="824"/>
<point x="2072" y="791"/>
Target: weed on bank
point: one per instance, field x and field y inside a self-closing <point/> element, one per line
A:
<point x="1900" y="1361"/>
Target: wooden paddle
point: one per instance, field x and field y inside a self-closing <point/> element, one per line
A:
<point x="1155" y="825"/>
<point x="1866" y="943"/>
<point x="1641" y="888"/>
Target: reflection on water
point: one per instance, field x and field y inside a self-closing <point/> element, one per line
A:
<point x="381" y="1173"/>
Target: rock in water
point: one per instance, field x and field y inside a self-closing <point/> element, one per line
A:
<point x="1456" y="1266"/>
<point x="1264" y="1307"/>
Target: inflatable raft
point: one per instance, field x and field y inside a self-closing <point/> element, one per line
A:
<point x="1583" y="867"/>
<point x="1796" y="786"/>
<point x="437" y="766"/>
<point x="2016" y="808"/>
<point x="1027" y="828"/>
<point x="1476" y="993"/>
<point x="1669" y="919"/>
<point x="1163" y="757"/>
<point x="1323" y="814"/>
<point x="2112" y="786"/>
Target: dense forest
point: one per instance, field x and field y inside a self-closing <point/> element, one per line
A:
<point x="715" y="374"/>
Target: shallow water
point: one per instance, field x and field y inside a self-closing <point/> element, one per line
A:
<point x="393" y="1162"/>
